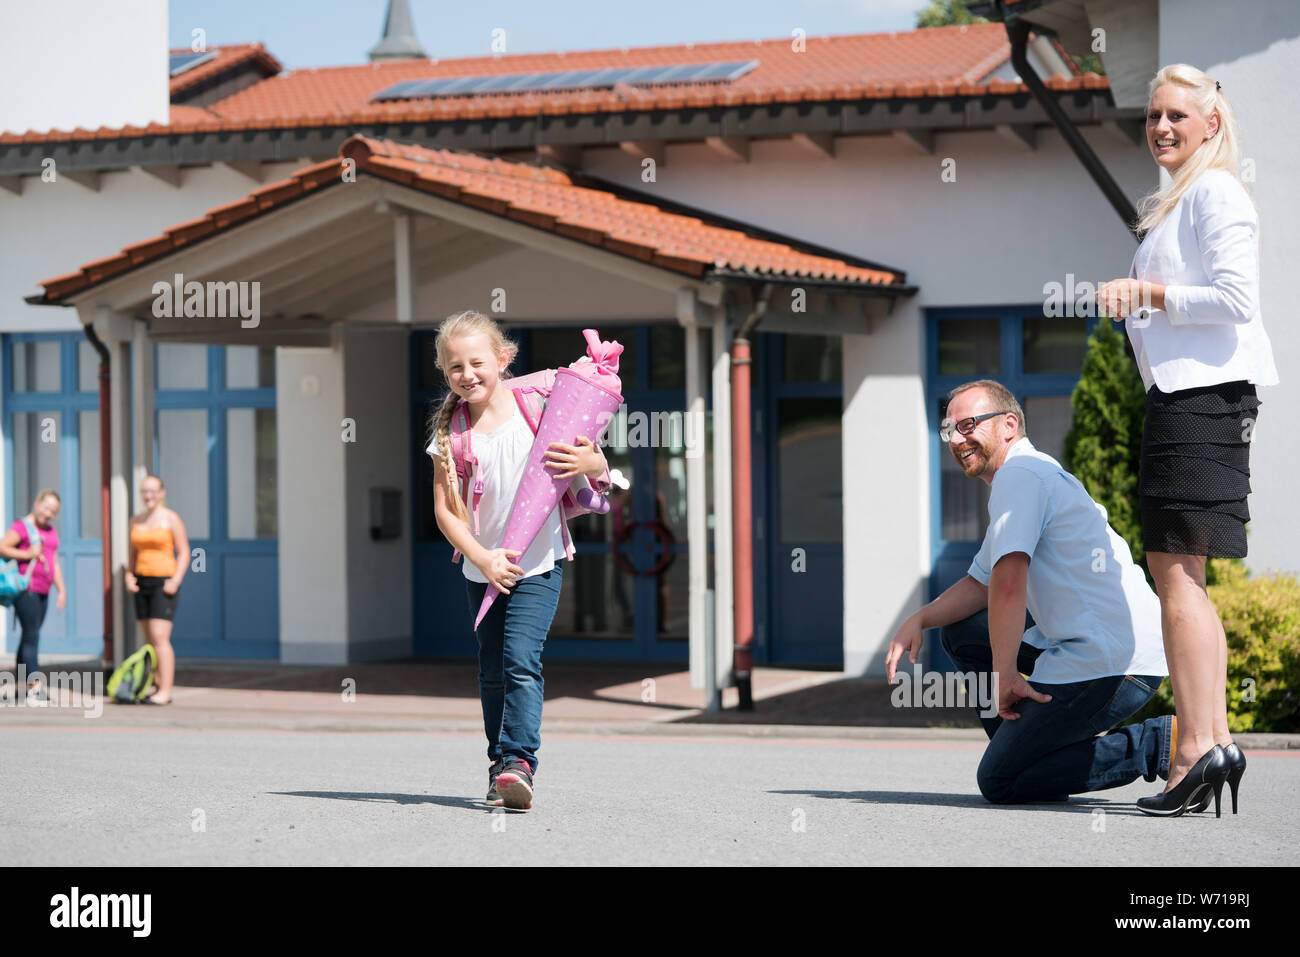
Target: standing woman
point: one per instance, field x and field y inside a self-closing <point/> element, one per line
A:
<point x="160" y="552"/>
<point x="1201" y="348"/>
<point x="31" y="605"/>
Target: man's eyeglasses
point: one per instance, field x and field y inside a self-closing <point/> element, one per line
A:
<point x="965" y="426"/>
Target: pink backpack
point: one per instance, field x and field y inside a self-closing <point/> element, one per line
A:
<point x="528" y="391"/>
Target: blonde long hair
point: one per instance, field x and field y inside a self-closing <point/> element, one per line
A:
<point x="468" y="323"/>
<point x="1220" y="151"/>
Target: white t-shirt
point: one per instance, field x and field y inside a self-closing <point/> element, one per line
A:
<point x="1094" y="613"/>
<point x="502" y="455"/>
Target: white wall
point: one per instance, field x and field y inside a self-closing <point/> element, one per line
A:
<point x="1254" y="60"/>
<point x="886" y="487"/>
<point x="377" y="398"/>
<point x="311" y="481"/>
<point x="70" y="63"/>
<point x="54" y="228"/>
<point x="538" y="287"/>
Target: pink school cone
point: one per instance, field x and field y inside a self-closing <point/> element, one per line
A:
<point x="583" y="399"/>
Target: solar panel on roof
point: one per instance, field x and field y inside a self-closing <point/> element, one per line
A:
<point x="602" y="78"/>
<point x="180" y="62"/>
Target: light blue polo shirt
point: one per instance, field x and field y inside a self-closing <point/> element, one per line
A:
<point x="1094" y="613"/>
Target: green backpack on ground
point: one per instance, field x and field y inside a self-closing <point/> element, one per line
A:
<point x="132" y="679"/>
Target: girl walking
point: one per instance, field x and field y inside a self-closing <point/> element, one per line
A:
<point x="475" y="357"/>
<point x="1202" y="350"/>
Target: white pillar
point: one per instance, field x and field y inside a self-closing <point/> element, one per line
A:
<point x="703" y="657"/>
<point x="403" y="253"/>
<point x="723" y="595"/>
<point x="116" y="332"/>
<point x="142" y="433"/>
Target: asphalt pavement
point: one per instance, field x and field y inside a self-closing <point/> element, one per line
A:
<point x="73" y="790"/>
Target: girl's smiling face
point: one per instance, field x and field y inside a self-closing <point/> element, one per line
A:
<point x="472" y="369"/>
<point x="1174" y="127"/>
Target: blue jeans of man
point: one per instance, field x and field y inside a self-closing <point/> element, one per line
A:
<point x="510" y="640"/>
<point x="1063" y="746"/>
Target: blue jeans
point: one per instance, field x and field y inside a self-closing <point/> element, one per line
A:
<point x="1062" y="747"/>
<point x="510" y="640"/>
<point x="29" y="609"/>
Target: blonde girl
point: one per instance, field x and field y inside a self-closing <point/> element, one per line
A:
<point x="475" y="358"/>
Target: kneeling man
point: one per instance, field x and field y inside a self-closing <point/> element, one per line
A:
<point x="1094" y="654"/>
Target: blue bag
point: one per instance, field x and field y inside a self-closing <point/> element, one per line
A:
<point x="13" y="584"/>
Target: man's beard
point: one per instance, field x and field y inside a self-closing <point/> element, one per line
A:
<point x="975" y="465"/>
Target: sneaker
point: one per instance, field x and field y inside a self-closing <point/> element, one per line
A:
<point x="493" y="798"/>
<point x="515" y="785"/>
<point x="38" y="694"/>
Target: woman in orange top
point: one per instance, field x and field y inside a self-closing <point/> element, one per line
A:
<point x="160" y="553"/>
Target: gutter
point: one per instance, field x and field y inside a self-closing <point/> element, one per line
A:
<point x="105" y="471"/>
<point x="742" y="532"/>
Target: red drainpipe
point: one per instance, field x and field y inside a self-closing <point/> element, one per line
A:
<point x="105" y="468"/>
<point x="742" y="503"/>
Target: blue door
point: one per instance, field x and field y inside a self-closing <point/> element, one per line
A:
<point x="51" y="440"/>
<point x="798" y="500"/>
<point x="215" y="448"/>
<point x="625" y="594"/>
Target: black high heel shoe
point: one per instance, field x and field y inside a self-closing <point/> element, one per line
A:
<point x="1207" y="774"/>
<point x="1236" y="768"/>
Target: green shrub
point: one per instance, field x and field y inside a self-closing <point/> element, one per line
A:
<point x="1261" y="619"/>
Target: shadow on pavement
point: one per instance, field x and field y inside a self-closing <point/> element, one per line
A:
<point x="843" y="702"/>
<point x="1077" y="803"/>
<point x="377" y="797"/>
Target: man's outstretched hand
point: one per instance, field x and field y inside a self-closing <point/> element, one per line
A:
<point x="1011" y="688"/>
<point x="908" y="639"/>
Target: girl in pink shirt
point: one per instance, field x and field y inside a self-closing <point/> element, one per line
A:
<point x="31" y="605"/>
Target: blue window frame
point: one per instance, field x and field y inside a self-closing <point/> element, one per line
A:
<point x="1037" y="358"/>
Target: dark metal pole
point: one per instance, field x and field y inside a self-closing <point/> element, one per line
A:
<point x="1018" y="32"/>
<point x="105" y="470"/>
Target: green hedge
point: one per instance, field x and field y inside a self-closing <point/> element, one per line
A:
<point x="1261" y="619"/>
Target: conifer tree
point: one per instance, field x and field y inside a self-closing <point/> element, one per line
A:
<point x="1104" y="445"/>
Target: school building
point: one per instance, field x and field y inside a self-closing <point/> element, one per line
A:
<point x="263" y="255"/>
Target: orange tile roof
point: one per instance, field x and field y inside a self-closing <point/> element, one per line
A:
<point x="227" y="58"/>
<point x="545" y="198"/>
<point x="937" y="61"/>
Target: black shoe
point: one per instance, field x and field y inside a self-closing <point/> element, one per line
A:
<point x="515" y="785"/>
<point x="1207" y="774"/>
<point x="493" y="798"/>
<point x="1236" y="768"/>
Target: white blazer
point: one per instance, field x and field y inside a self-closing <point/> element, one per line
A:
<point x="1206" y="251"/>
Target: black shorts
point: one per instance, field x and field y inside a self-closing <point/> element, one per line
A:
<point x="1195" y="473"/>
<point x="151" y="601"/>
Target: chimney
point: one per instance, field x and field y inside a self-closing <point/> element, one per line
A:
<point x="398" y="41"/>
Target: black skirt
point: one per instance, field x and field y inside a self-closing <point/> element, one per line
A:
<point x="1195" y="472"/>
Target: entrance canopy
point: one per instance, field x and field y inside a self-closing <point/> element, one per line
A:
<point x="394" y="236"/>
